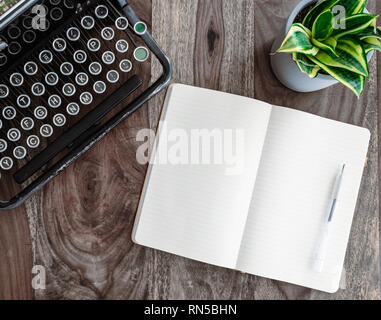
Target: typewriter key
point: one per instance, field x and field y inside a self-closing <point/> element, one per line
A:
<point x="23" y="101"/>
<point x="107" y="33"/>
<point x="73" y="34"/>
<point x="121" y="46"/>
<point x="140" y="28"/>
<point x="14" y="32"/>
<point x="46" y="56"/>
<point x="99" y="87"/>
<point x="87" y="22"/>
<point x="113" y="76"/>
<point x="40" y="113"/>
<point x="101" y="12"/>
<point x="56" y="14"/>
<point x="68" y="89"/>
<point x="14" y="134"/>
<point x="46" y="130"/>
<point x="19" y="152"/>
<point x="27" y="123"/>
<point x="86" y="98"/>
<point x="4" y="91"/>
<point x="3" y="59"/>
<point x="80" y="56"/>
<point x="3" y="145"/>
<point x="51" y="78"/>
<point x="29" y="36"/>
<point x="6" y="163"/>
<point x="59" y="45"/>
<point x="9" y="113"/>
<point x="66" y="68"/>
<point x="72" y="109"/>
<point x="93" y="44"/>
<point x="33" y="141"/>
<point x="30" y="68"/>
<point x="59" y="120"/>
<point x="141" y="54"/>
<point x="125" y="65"/>
<point x="82" y="79"/>
<point x="108" y="57"/>
<point x="121" y="23"/>
<point x="38" y="89"/>
<point x="14" y="48"/>
<point x="95" y="68"/>
<point x="54" y="101"/>
<point x="16" y="79"/>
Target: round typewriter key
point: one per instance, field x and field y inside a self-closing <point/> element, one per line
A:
<point x="113" y="76"/>
<point x="72" y="109"/>
<point x="99" y="87"/>
<point x="9" y="113"/>
<point x="69" y="4"/>
<point x="30" y="68"/>
<point x="101" y="12"/>
<point x="56" y="14"/>
<point x="27" y="123"/>
<point x="19" y="152"/>
<point x="38" y="89"/>
<point x="93" y="44"/>
<point x="40" y="113"/>
<point x="46" y="56"/>
<point x="27" y="22"/>
<point x="66" y="68"/>
<point x="6" y="163"/>
<point x="108" y="57"/>
<point x="59" y="45"/>
<point x="87" y="22"/>
<point x="51" y="78"/>
<point x="125" y="65"/>
<point x="29" y="36"/>
<point x="3" y="145"/>
<point x="59" y="120"/>
<point x="14" y="135"/>
<point x="95" y="68"/>
<point x="141" y="54"/>
<point x="4" y="91"/>
<point x="80" y="56"/>
<point x="3" y="59"/>
<point x="16" y="79"/>
<point x="68" y="89"/>
<point x="23" y="101"/>
<point x="55" y="2"/>
<point x="1" y="124"/>
<point x="140" y="28"/>
<point x="107" y="33"/>
<point x="73" y="34"/>
<point x="121" y="46"/>
<point x="82" y="79"/>
<point x="86" y="98"/>
<point x="121" y="23"/>
<point x="33" y="141"/>
<point x="46" y="130"/>
<point x="14" y="48"/>
<point x="54" y="101"/>
<point x="14" y="32"/>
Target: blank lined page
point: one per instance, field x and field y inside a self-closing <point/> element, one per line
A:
<point x="301" y="159"/>
<point x="199" y="210"/>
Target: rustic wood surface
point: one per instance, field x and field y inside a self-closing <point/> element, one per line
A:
<point x="79" y="226"/>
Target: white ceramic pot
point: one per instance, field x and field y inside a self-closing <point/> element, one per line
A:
<point x="286" y="70"/>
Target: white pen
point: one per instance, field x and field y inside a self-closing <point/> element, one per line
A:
<point x="322" y="250"/>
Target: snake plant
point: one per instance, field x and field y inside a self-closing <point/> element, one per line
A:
<point x="333" y="44"/>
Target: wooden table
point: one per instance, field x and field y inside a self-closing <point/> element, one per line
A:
<point x="79" y="226"/>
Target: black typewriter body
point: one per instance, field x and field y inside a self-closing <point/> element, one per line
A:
<point x="70" y="72"/>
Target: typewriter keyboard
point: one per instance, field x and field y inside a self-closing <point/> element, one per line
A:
<point x="60" y="83"/>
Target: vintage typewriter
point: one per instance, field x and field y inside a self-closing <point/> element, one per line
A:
<point x="70" y="71"/>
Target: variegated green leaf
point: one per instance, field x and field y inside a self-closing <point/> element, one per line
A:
<point x="369" y="32"/>
<point x="323" y="26"/>
<point x="305" y="65"/>
<point x="370" y="44"/>
<point x="328" y="45"/>
<point x="351" y="56"/>
<point x="352" y="6"/>
<point x="298" y="40"/>
<point x="353" y="25"/>
<point x="353" y="81"/>
<point x="316" y="11"/>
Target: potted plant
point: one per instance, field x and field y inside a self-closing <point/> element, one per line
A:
<point x="326" y="42"/>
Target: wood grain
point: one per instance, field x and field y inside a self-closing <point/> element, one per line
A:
<point x="79" y="226"/>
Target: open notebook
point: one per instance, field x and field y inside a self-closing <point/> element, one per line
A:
<point x="266" y="218"/>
